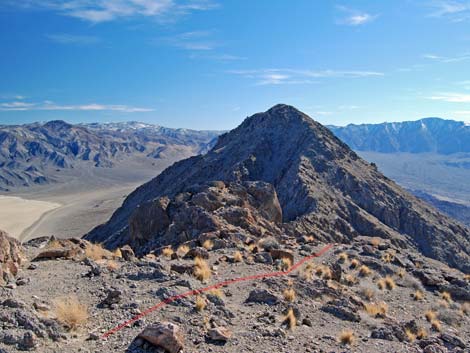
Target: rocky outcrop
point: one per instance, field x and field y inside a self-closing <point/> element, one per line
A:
<point x="324" y="189"/>
<point x="11" y="257"/>
<point x="230" y="211"/>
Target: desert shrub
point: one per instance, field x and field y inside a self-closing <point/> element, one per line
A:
<point x="70" y="312"/>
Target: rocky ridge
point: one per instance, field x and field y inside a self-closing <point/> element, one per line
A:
<point x="324" y="189"/>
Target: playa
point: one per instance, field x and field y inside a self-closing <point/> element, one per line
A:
<point x="18" y="214"/>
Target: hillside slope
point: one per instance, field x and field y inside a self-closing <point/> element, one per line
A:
<point x="324" y="189"/>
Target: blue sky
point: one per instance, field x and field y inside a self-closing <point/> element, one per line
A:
<point x="207" y="64"/>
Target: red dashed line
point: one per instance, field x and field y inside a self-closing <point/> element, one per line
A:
<point x="215" y="286"/>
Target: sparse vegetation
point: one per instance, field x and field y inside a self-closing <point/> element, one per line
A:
<point x="367" y="293"/>
<point x="323" y="271"/>
<point x="430" y="315"/>
<point x="97" y="252"/>
<point x="208" y="244"/>
<point x="350" y="280"/>
<point x="182" y="250"/>
<point x="422" y="333"/>
<point x="386" y="283"/>
<point x="238" y="257"/>
<point x="410" y="336"/>
<point x="202" y="270"/>
<point x="217" y="292"/>
<point x="354" y="263"/>
<point x="290" y="319"/>
<point x="467" y="277"/>
<point x="167" y="252"/>
<point x="446" y="296"/>
<point x="289" y="294"/>
<point x="376" y="309"/>
<point x="436" y="325"/>
<point x="117" y="253"/>
<point x="418" y="295"/>
<point x="401" y="273"/>
<point x="112" y="265"/>
<point x="70" y="312"/>
<point x="307" y="271"/>
<point x="388" y="257"/>
<point x="465" y="308"/>
<point x="286" y="264"/>
<point x="343" y="257"/>
<point x="375" y="241"/>
<point x="347" y="337"/>
<point x="364" y="271"/>
<point x="200" y="303"/>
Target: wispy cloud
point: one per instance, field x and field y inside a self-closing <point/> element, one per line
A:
<point x="352" y="17"/>
<point x="51" y="106"/>
<point x="194" y="41"/>
<point x="447" y="59"/>
<point x="65" y="38"/>
<point x="454" y="10"/>
<point x="451" y="97"/>
<point x="97" y="11"/>
<point x="294" y="76"/>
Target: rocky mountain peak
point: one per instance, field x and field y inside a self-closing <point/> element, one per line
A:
<point x="324" y="189"/>
<point x="57" y="125"/>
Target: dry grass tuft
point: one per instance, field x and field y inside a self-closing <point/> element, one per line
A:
<point x="290" y="319"/>
<point x="364" y="271"/>
<point x="289" y="294"/>
<point x="54" y="244"/>
<point x="217" y="292"/>
<point x="367" y="293"/>
<point x="343" y="257"/>
<point x="347" y="337"/>
<point x="200" y="303"/>
<point x="324" y="272"/>
<point x="286" y="264"/>
<point x="376" y="309"/>
<point x="182" y="250"/>
<point x="390" y="283"/>
<point x="70" y="312"/>
<point x="350" y="280"/>
<point x="422" y="333"/>
<point x="430" y="315"/>
<point x="411" y="337"/>
<point x="401" y="273"/>
<point x="208" y="244"/>
<point x="375" y="241"/>
<point x="354" y="263"/>
<point x="117" y="253"/>
<point x="388" y="257"/>
<point x="97" y="252"/>
<point x="446" y="296"/>
<point x="436" y="325"/>
<point x="202" y="270"/>
<point x="307" y="271"/>
<point x="418" y="295"/>
<point x="238" y="257"/>
<point x="112" y="265"/>
<point x="467" y="277"/>
<point x="167" y="252"/>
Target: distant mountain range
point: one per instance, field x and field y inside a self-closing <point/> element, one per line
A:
<point x="430" y="157"/>
<point x="431" y="135"/>
<point x="32" y="153"/>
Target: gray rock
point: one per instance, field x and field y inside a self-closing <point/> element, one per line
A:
<point x="262" y="296"/>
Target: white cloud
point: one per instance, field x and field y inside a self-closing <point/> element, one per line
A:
<point x="64" y="38"/>
<point x="51" y="106"/>
<point x="354" y="17"/>
<point x="97" y="11"/>
<point x="295" y="76"/>
<point x="454" y="10"/>
<point x="445" y="59"/>
<point x="451" y="97"/>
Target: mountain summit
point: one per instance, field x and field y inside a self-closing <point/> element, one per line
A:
<point x="280" y="172"/>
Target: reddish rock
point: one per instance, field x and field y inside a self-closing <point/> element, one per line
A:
<point x="165" y="335"/>
<point x="11" y="257"/>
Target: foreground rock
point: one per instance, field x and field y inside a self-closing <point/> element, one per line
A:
<point x="11" y="257"/>
<point x="165" y="335"/>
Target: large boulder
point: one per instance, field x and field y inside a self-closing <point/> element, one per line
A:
<point x="11" y="257"/>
